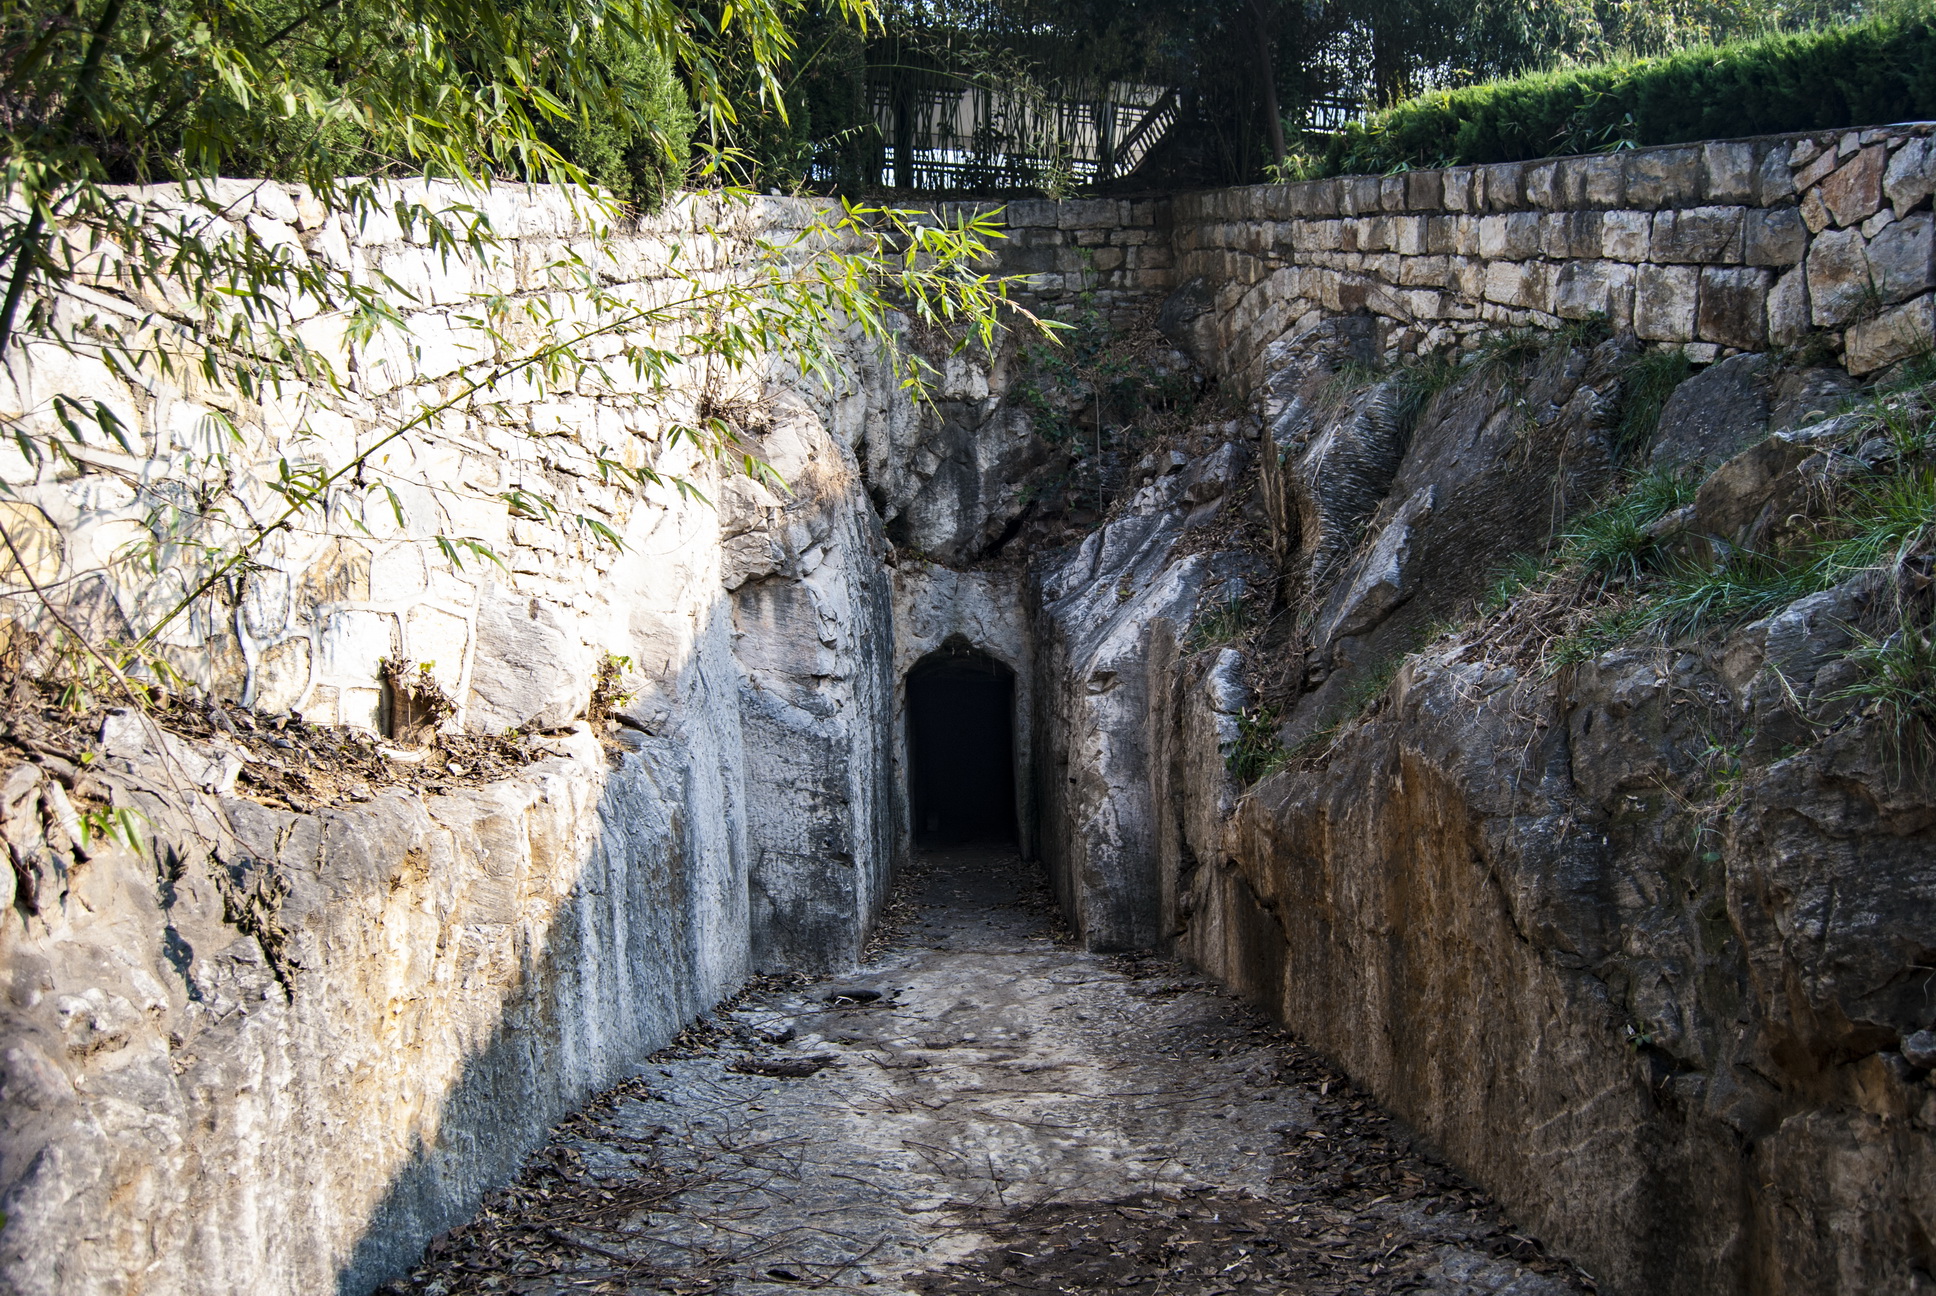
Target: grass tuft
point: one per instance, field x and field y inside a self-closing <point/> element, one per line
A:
<point x="1898" y="686"/>
<point x="1613" y="544"/>
<point x="1651" y="378"/>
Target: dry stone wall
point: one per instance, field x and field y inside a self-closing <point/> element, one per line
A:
<point x="1734" y="245"/>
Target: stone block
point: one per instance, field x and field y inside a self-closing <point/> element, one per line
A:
<point x="1604" y="180"/>
<point x="1907" y="330"/>
<point x="1902" y="258"/>
<point x="351" y="644"/>
<point x="1361" y="195"/>
<point x="1774" y="237"/>
<point x="1032" y="212"/>
<point x="1788" y="314"/>
<point x="1456" y="189"/>
<point x="1839" y="282"/>
<point x="1541" y="185"/>
<point x="1665" y="298"/>
<point x="1734" y="306"/>
<point x="1424" y="191"/>
<point x="1511" y="236"/>
<point x="1441" y="235"/>
<point x="1423" y="271"/>
<point x="1085" y="213"/>
<point x="1663" y="177"/>
<point x="1391" y="193"/>
<point x="1585" y="288"/>
<point x="1699" y="235"/>
<point x="1854" y="191"/>
<point x="1327" y="198"/>
<point x="1519" y="283"/>
<point x="1911" y="175"/>
<point x="1774" y="182"/>
<point x="1505" y="186"/>
<point x="281" y="677"/>
<point x="1730" y="172"/>
<point x="1570" y="235"/>
<point x="1625" y="235"/>
<point x="1407" y="235"/>
<point x="439" y="639"/>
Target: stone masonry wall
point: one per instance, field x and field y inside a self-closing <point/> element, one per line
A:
<point x="1734" y="245"/>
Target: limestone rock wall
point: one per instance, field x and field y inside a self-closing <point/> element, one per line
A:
<point x="198" y="1104"/>
<point x="201" y="1099"/>
<point x="1108" y="614"/>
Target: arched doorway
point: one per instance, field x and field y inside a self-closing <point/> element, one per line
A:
<point x="961" y="747"/>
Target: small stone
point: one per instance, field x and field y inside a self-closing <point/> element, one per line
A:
<point x="1919" y="1050"/>
<point x="1815" y="213"/>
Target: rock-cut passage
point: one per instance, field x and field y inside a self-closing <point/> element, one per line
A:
<point x="982" y="1109"/>
<point x="961" y="748"/>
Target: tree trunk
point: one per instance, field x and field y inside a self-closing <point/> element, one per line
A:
<point x="1267" y="71"/>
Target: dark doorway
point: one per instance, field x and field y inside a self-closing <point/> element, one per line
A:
<point x="961" y="747"/>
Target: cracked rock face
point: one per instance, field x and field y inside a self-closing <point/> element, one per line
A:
<point x="1104" y="612"/>
<point x="1634" y="941"/>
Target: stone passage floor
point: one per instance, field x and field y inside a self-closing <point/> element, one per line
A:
<point x="986" y="1109"/>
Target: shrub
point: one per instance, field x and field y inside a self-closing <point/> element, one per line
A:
<point x="640" y="154"/>
<point x="1861" y="74"/>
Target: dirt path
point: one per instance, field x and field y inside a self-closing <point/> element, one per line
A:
<point x="985" y="1109"/>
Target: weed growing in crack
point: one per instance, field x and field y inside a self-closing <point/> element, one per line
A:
<point x="1617" y="542"/>
<point x="1223" y="625"/>
<point x="1650" y="378"/>
<point x="1897" y="687"/>
<point x="1258" y="752"/>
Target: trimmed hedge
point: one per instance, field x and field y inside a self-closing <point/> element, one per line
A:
<point x="1864" y="74"/>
